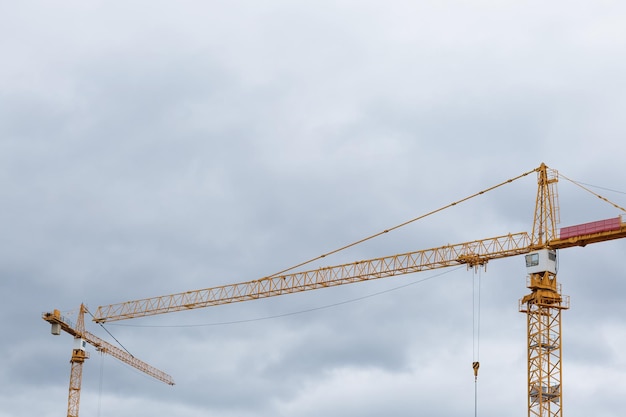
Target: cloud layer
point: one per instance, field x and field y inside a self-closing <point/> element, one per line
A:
<point x="148" y="148"/>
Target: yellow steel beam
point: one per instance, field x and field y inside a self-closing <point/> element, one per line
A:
<point x="472" y="253"/>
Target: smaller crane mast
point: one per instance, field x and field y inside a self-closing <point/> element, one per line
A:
<point x="79" y="354"/>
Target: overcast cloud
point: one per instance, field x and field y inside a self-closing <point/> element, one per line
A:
<point x="153" y="147"/>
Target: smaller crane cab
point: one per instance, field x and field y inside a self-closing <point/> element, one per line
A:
<point x="540" y="261"/>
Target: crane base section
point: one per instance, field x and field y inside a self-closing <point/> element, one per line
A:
<point x="543" y="307"/>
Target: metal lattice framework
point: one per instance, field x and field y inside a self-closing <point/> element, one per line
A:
<point x="546" y="207"/>
<point x="477" y="252"/>
<point x="543" y="311"/>
<point x="76" y="376"/>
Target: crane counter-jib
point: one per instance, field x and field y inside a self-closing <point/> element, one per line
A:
<point x="60" y="323"/>
<point x="587" y="233"/>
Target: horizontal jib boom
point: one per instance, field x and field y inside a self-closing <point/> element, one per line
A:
<point x="472" y="253"/>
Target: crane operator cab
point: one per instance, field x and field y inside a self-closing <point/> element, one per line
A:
<point x="541" y="261"/>
<point x="80" y="344"/>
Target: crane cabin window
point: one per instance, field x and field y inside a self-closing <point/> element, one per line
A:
<point x="532" y="260"/>
<point x="540" y="261"/>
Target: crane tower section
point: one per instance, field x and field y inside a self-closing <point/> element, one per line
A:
<point x="543" y="306"/>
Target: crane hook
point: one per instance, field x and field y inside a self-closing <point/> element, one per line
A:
<point x="475" y="365"/>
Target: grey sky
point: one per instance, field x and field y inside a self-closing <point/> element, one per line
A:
<point x="148" y="148"/>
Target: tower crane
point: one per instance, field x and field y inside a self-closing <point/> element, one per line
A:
<point x="79" y="354"/>
<point x="542" y="306"/>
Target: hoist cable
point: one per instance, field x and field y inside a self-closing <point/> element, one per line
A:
<point x="110" y="334"/>
<point x="100" y="387"/>
<point x="475" y="398"/>
<point x="476" y="287"/>
<point x="476" y="290"/>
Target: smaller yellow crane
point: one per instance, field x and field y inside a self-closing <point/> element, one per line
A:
<point x="79" y="354"/>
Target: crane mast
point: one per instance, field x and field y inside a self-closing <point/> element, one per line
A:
<point x="79" y="354"/>
<point x="543" y="306"/>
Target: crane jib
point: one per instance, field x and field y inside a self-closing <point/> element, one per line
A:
<point x="477" y="252"/>
<point x="473" y="253"/>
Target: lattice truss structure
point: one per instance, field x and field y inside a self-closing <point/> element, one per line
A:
<point x="543" y="309"/>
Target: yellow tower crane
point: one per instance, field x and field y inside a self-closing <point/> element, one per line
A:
<point x="543" y="306"/>
<point x="79" y="354"/>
